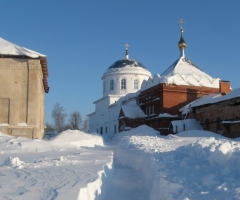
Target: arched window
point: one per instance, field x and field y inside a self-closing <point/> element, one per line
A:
<point x="111" y="85"/>
<point x="135" y="84"/>
<point x="123" y="84"/>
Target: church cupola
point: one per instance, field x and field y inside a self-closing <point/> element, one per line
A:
<point x="182" y="44"/>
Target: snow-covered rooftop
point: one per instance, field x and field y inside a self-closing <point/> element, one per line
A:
<point x="8" y="48"/>
<point x="182" y="72"/>
<point x="210" y="99"/>
<point x="217" y="98"/>
<point x="133" y="111"/>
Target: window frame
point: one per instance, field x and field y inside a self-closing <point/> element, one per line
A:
<point x="123" y="84"/>
<point x="111" y="85"/>
<point x="136" y="84"/>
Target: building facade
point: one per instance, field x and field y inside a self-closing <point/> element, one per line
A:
<point x="122" y="78"/>
<point x="23" y="82"/>
<point x="219" y="113"/>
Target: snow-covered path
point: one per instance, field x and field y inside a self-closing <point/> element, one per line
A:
<point x="127" y="184"/>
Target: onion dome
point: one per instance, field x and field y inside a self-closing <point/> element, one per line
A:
<point x="182" y="44"/>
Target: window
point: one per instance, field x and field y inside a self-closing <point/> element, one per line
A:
<point x="146" y="110"/>
<point x="111" y="85"/>
<point x="105" y="129"/>
<point x="135" y="84"/>
<point x="123" y="84"/>
<point x="153" y="111"/>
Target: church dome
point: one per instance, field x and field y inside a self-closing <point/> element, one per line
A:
<point x="124" y="76"/>
<point x="126" y="63"/>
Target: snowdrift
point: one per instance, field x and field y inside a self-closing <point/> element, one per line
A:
<point x="76" y="138"/>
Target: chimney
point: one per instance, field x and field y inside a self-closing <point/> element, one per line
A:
<point x="224" y="86"/>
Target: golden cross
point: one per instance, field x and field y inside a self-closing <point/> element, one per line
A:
<point x="181" y="23"/>
<point x="127" y="45"/>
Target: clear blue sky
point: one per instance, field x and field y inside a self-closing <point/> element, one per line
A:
<point x="82" y="38"/>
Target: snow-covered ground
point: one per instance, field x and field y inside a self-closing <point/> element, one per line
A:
<point x="138" y="164"/>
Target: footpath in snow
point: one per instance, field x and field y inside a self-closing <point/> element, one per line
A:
<point x="138" y="164"/>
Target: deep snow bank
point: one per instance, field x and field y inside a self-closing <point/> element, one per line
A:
<point x="142" y="130"/>
<point x="66" y="139"/>
<point x="97" y="189"/>
<point x="184" y="166"/>
<point x="76" y="138"/>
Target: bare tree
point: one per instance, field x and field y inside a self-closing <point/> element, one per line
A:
<point x="75" y="120"/>
<point x="59" y="116"/>
<point x="49" y="128"/>
<point x="85" y="125"/>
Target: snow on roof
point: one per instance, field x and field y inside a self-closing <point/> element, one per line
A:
<point x="133" y="111"/>
<point x="211" y="99"/>
<point x="161" y="115"/>
<point x="183" y="72"/>
<point x="200" y="101"/>
<point x="126" y="62"/>
<point x="8" y="48"/>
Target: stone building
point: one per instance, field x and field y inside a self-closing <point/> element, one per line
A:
<point x="217" y="113"/>
<point x="23" y="82"/>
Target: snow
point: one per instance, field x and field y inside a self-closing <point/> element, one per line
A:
<point x="133" y="111"/>
<point x="136" y="164"/>
<point x="8" y="48"/>
<point x="182" y="72"/>
<point x="162" y="115"/>
<point x="230" y="122"/>
<point x="218" y="98"/>
<point x="210" y="99"/>
<point x="72" y="138"/>
<point x="185" y="125"/>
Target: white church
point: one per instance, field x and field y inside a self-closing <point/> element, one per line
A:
<point x="121" y="83"/>
<point x="127" y="85"/>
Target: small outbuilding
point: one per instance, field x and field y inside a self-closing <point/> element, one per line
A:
<point x="178" y="126"/>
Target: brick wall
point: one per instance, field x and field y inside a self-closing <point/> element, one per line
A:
<point x="211" y="116"/>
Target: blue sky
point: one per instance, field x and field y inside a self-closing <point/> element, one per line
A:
<point x="82" y="38"/>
